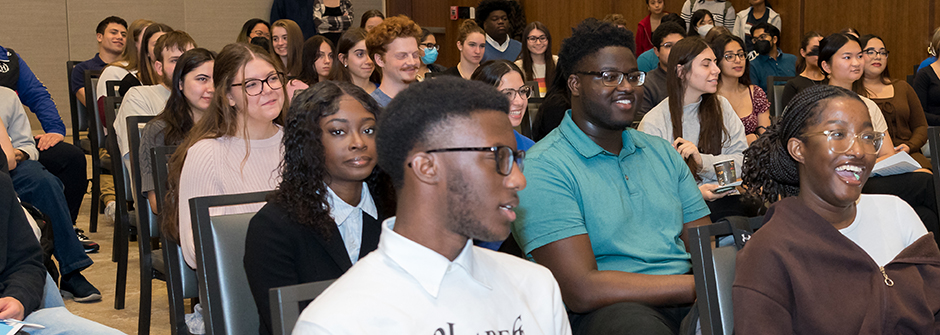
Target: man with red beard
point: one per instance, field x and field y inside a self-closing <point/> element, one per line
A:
<point x="393" y="45"/>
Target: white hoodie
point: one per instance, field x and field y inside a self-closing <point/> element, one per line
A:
<point x="742" y="28"/>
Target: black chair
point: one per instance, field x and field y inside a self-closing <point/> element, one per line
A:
<point x="288" y="301"/>
<point x="714" y="270"/>
<point x="933" y="138"/>
<point x="775" y="87"/>
<point x="123" y="217"/>
<point x="96" y="139"/>
<point x="228" y="307"/>
<point x="79" y="121"/>
<point x="180" y="278"/>
<point x="112" y="88"/>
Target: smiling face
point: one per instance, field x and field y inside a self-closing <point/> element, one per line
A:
<point x="262" y="108"/>
<point x="324" y="62"/>
<point x="701" y="76"/>
<point x="348" y="138"/>
<point x="198" y="87"/>
<point x="655" y="6"/>
<point x="834" y="179"/>
<point x="471" y="51"/>
<point x="496" y="24"/>
<point x="735" y="67"/>
<point x="279" y="40"/>
<point x="479" y="199"/>
<point x="358" y="61"/>
<point x="113" y="39"/>
<point x="517" y="103"/>
<point x="607" y="107"/>
<point x="537" y="42"/>
<point x="875" y="64"/>
<point x="401" y="60"/>
<point x="845" y="66"/>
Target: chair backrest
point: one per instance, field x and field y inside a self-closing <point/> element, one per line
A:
<point x="160" y="157"/>
<point x="96" y="132"/>
<point x="228" y="307"/>
<point x="933" y="138"/>
<point x="714" y="272"/>
<point x="181" y="279"/>
<point x="77" y="110"/>
<point x="112" y="88"/>
<point x="286" y="304"/>
<point x="145" y="217"/>
<point x="775" y="86"/>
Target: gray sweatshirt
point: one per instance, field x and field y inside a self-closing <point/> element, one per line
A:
<point x="14" y="117"/>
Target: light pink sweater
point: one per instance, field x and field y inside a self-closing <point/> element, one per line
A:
<point x="215" y="167"/>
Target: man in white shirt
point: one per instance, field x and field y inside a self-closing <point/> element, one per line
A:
<point x="450" y="151"/>
<point x="151" y="99"/>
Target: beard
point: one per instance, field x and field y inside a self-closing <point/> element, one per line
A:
<point x="167" y="79"/>
<point x="463" y="204"/>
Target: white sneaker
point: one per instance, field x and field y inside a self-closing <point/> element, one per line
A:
<point x="110" y="209"/>
<point x="195" y="322"/>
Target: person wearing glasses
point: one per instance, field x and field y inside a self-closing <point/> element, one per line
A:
<point x="841" y="58"/>
<point x="897" y="100"/>
<point x="606" y="206"/>
<point x="235" y="148"/>
<point x="393" y="46"/>
<point x="449" y="149"/>
<point x="429" y="51"/>
<point x="749" y="101"/>
<point x="701" y="125"/>
<point x="767" y="59"/>
<point x="654" y="89"/>
<point x="830" y="259"/>
<point x="536" y="59"/>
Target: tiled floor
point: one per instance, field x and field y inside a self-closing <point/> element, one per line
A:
<point x="103" y="275"/>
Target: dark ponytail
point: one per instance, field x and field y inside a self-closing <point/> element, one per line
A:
<point x="769" y="172"/>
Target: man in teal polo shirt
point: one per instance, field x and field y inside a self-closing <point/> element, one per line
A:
<point x="606" y="207"/>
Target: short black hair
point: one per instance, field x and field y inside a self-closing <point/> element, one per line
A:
<point x="768" y="28"/>
<point x="587" y="38"/>
<point x="665" y="30"/>
<point x="413" y="116"/>
<point x="486" y="7"/>
<point x="109" y="20"/>
<point x="673" y="17"/>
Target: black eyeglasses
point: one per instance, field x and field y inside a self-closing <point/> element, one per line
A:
<point x="254" y="87"/>
<point x="615" y="78"/>
<point x="428" y="45"/>
<point x="505" y="157"/>
<point x="524" y="92"/>
<point x="871" y="52"/>
<point x="729" y="57"/>
<point x="534" y="39"/>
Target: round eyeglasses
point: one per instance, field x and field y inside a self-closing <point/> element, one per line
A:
<point x="615" y="78"/>
<point x="840" y="141"/>
<point x="254" y="87"/>
<point x="524" y="92"/>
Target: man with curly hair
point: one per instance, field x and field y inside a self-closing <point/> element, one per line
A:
<point x="393" y="45"/>
<point x="494" y="16"/>
<point x="606" y="206"/>
<point x="451" y="154"/>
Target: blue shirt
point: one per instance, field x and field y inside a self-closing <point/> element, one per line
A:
<point x="34" y="95"/>
<point x="632" y="206"/>
<point x="511" y="53"/>
<point x="648" y="61"/>
<point x="78" y="72"/>
<point x="763" y="66"/>
<point x="380" y="97"/>
<point x="926" y="63"/>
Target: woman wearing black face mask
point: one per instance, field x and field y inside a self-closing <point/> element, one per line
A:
<point x="810" y="73"/>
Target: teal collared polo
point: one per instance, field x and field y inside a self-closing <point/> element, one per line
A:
<point x="632" y="206"/>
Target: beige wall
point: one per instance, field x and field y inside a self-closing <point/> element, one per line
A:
<point x="47" y="33"/>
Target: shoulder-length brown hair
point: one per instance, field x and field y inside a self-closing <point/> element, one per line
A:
<point x="295" y="46"/>
<point x="526" y="55"/>
<point x="220" y="119"/>
<point x="145" y="72"/>
<point x="709" y="113"/>
<point x="129" y="55"/>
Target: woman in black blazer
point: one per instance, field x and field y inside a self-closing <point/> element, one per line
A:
<point x="329" y="171"/>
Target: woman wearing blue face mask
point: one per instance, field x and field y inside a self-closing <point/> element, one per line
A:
<point x="428" y="50"/>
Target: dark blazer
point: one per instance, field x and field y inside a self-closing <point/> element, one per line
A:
<point x="280" y="252"/>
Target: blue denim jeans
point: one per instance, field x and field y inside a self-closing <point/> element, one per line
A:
<point x="40" y="188"/>
<point x="58" y="320"/>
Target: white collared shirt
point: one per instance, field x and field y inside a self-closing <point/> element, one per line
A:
<point x="405" y="288"/>
<point x="348" y="219"/>
<point x="496" y="45"/>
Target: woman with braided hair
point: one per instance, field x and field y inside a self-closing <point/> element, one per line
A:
<point x="829" y="259"/>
